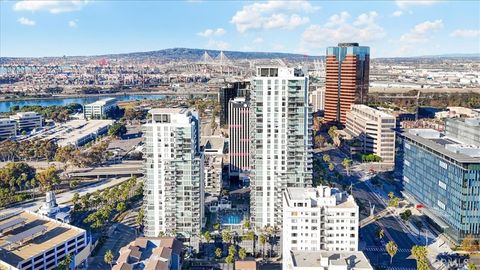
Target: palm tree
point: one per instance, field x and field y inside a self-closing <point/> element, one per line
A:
<point x="108" y="257"/>
<point x="218" y="252"/>
<point x="229" y="260"/>
<point x="207" y="236"/>
<point x="346" y="164"/>
<point x="471" y="266"/>
<point x="380" y="234"/>
<point x="420" y="255"/>
<point x="326" y="158"/>
<point x="263" y="240"/>
<point x="331" y="167"/>
<point x="242" y="253"/>
<point x="227" y="236"/>
<point x="392" y="249"/>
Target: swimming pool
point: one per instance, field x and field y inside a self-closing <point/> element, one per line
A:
<point x="231" y="218"/>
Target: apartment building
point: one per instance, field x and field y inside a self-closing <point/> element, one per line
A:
<point x="174" y="180"/>
<point x="239" y="135"/>
<point x="225" y="94"/>
<point x="27" y="120"/>
<point x="317" y="99"/>
<point x="281" y="145"/>
<point x="374" y="129"/>
<point x="317" y="219"/>
<point x="327" y="260"/>
<point x="8" y="128"/>
<point x="346" y="81"/>
<point x="32" y="241"/>
<point x="99" y="109"/>
<point x="441" y="172"/>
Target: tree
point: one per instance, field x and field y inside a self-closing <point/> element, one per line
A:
<point x="65" y="263"/>
<point x="232" y="251"/>
<point x="218" y="252"/>
<point x="117" y="130"/>
<point x="331" y="167"/>
<point x="470" y="244"/>
<point x="229" y="260"/>
<point x="121" y="207"/>
<point x="227" y="236"/>
<point x="326" y="158"/>
<point x="406" y="214"/>
<point x="392" y="249"/>
<point x="380" y="234"/>
<point x="246" y="224"/>
<point x="216" y="226"/>
<point x="207" y="236"/>
<point x="319" y="141"/>
<point x="391" y="195"/>
<point x="263" y="241"/>
<point x="346" y="164"/>
<point x="420" y="255"/>
<point x="242" y="253"/>
<point x="471" y="266"/>
<point x="394" y="202"/>
<point x="48" y="178"/>
<point x="108" y="257"/>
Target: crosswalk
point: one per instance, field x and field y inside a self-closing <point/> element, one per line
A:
<point x="382" y="249"/>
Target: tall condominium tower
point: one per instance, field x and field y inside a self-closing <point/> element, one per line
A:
<point x="281" y="147"/>
<point x="174" y="188"/>
<point x="346" y="81"/>
<point x="239" y="134"/>
<point x="225" y="94"/>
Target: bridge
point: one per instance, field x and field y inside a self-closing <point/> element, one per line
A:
<point x="126" y="169"/>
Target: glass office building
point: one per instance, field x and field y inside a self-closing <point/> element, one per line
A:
<point x="442" y="174"/>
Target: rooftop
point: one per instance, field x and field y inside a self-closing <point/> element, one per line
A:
<point x="54" y="233"/>
<point x="321" y="195"/>
<point x="450" y="147"/>
<point x="354" y="260"/>
<point x="373" y="111"/>
<point x="168" y="111"/>
<point x="153" y="253"/>
<point x="102" y="102"/>
<point x="72" y="131"/>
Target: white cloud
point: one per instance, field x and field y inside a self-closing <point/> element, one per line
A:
<point x="397" y="13"/>
<point x="465" y="33"/>
<point x="337" y="29"/>
<point x="258" y="40"/>
<point x="420" y="33"/>
<point x="52" y="6"/>
<point x="73" y="23"/>
<point x="217" y="44"/>
<point x="26" y="21"/>
<point x="272" y="14"/>
<point x="411" y="3"/>
<point x="212" y="32"/>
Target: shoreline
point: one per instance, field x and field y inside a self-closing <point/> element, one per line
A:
<point x="66" y="96"/>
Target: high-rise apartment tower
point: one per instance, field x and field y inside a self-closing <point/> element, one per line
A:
<point x="281" y="146"/>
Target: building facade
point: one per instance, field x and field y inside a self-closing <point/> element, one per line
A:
<point x="442" y="174"/>
<point x="374" y="129"/>
<point x="239" y="135"/>
<point x="346" y="82"/>
<point x="27" y="120"/>
<point x="99" y="109"/>
<point x="8" y="128"/>
<point x="317" y="99"/>
<point x="326" y="260"/>
<point x="316" y="219"/>
<point x="31" y="241"/>
<point x="174" y="180"/>
<point x="468" y="129"/>
<point x="225" y="94"/>
<point x="281" y="143"/>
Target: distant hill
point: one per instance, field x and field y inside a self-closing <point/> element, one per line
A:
<point x="197" y="54"/>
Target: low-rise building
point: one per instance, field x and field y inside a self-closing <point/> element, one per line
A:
<point x="441" y="175"/>
<point x="375" y="131"/>
<point x="8" y="128"/>
<point x="99" y="109"/>
<point x="77" y="132"/>
<point x="321" y="218"/>
<point x="151" y="253"/>
<point x="327" y="260"/>
<point x="32" y="241"/>
<point x="27" y="120"/>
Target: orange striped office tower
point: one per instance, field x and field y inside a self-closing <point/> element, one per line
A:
<point x="347" y="69"/>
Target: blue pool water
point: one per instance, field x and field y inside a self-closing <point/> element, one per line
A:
<point x="231" y="218"/>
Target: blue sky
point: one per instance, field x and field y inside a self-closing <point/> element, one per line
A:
<point x="88" y="27"/>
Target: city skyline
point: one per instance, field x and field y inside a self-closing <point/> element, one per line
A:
<point x="390" y="28"/>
